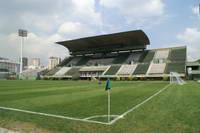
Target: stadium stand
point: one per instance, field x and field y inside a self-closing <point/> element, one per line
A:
<point x="178" y="54"/>
<point x="175" y="67"/>
<point x="134" y="58"/>
<point x="118" y="54"/>
<point x="149" y="56"/>
<point x="62" y="71"/>
<point x="65" y="62"/>
<point x="75" y="61"/>
<point x="93" y="71"/>
<point x="72" y="71"/>
<point x="112" y="70"/>
<point x="157" y="68"/>
<point x="83" y="61"/>
<point x="95" y="62"/>
<point x="126" y="70"/>
<point x="141" y="69"/>
<point x="163" y="54"/>
<point x="121" y="58"/>
<point x="53" y="71"/>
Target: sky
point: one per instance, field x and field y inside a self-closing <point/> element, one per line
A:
<point x="167" y="23"/>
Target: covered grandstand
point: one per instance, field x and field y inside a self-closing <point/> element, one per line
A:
<point x="122" y="54"/>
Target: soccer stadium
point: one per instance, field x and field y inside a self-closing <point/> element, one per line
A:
<point x="110" y="83"/>
<point x="123" y="55"/>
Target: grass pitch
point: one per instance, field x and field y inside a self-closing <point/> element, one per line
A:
<point x="177" y="109"/>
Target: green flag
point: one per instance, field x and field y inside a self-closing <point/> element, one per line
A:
<point x="108" y="85"/>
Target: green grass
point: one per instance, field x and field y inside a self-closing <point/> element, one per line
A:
<point x="177" y="109"/>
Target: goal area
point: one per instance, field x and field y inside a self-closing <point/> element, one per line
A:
<point x="175" y="78"/>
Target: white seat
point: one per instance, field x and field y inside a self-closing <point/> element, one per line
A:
<point x="162" y="54"/>
<point x="126" y="70"/>
<point x="157" y="68"/>
<point x="62" y="71"/>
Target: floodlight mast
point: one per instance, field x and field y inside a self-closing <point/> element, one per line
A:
<point x="199" y="8"/>
<point x="22" y="33"/>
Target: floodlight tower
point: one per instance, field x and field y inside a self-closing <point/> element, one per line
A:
<point x="22" y="33"/>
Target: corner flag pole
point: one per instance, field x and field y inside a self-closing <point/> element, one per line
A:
<point x="109" y="105"/>
<point x="108" y="87"/>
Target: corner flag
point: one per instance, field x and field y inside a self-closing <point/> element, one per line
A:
<point x="108" y="85"/>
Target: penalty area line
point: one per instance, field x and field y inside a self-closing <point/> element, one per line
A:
<point x="138" y="105"/>
<point x="51" y="115"/>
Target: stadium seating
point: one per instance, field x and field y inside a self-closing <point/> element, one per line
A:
<point x="162" y="54"/>
<point x="143" y="55"/>
<point x="82" y="61"/>
<point x="133" y="57"/>
<point x="178" y="54"/>
<point x="149" y="55"/>
<point x="178" y="67"/>
<point x="94" y="68"/>
<point x="53" y="71"/>
<point x="141" y="69"/>
<point x="157" y="68"/>
<point x="126" y="69"/>
<point x="90" y="71"/>
<point x="62" y="71"/>
<point x="65" y="61"/>
<point x="112" y="70"/>
<point x="75" y="61"/>
<point x="118" y="54"/>
<point x="72" y="71"/>
<point x="93" y="62"/>
<point x="120" y="59"/>
<point x="148" y="62"/>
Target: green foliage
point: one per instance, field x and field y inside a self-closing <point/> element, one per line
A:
<point x="117" y="78"/>
<point x="130" y="78"/>
<point x="38" y="76"/>
<point x="165" y="78"/>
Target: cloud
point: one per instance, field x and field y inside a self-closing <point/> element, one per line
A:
<point x="85" y="11"/>
<point x="47" y="22"/>
<point x="74" y="29"/>
<point x="191" y="36"/>
<point x="136" y="11"/>
<point x="35" y="46"/>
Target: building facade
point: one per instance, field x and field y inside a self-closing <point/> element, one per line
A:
<point x="9" y="66"/>
<point x="35" y="62"/>
<point x="53" y="61"/>
<point x="25" y="63"/>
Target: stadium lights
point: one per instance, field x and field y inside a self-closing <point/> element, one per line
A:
<point x="22" y="33"/>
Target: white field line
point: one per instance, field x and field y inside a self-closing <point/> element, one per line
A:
<point x="51" y="115"/>
<point x="138" y="105"/>
<point x="97" y="116"/>
<point x="87" y="119"/>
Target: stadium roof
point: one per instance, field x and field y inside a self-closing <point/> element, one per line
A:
<point x="130" y="40"/>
